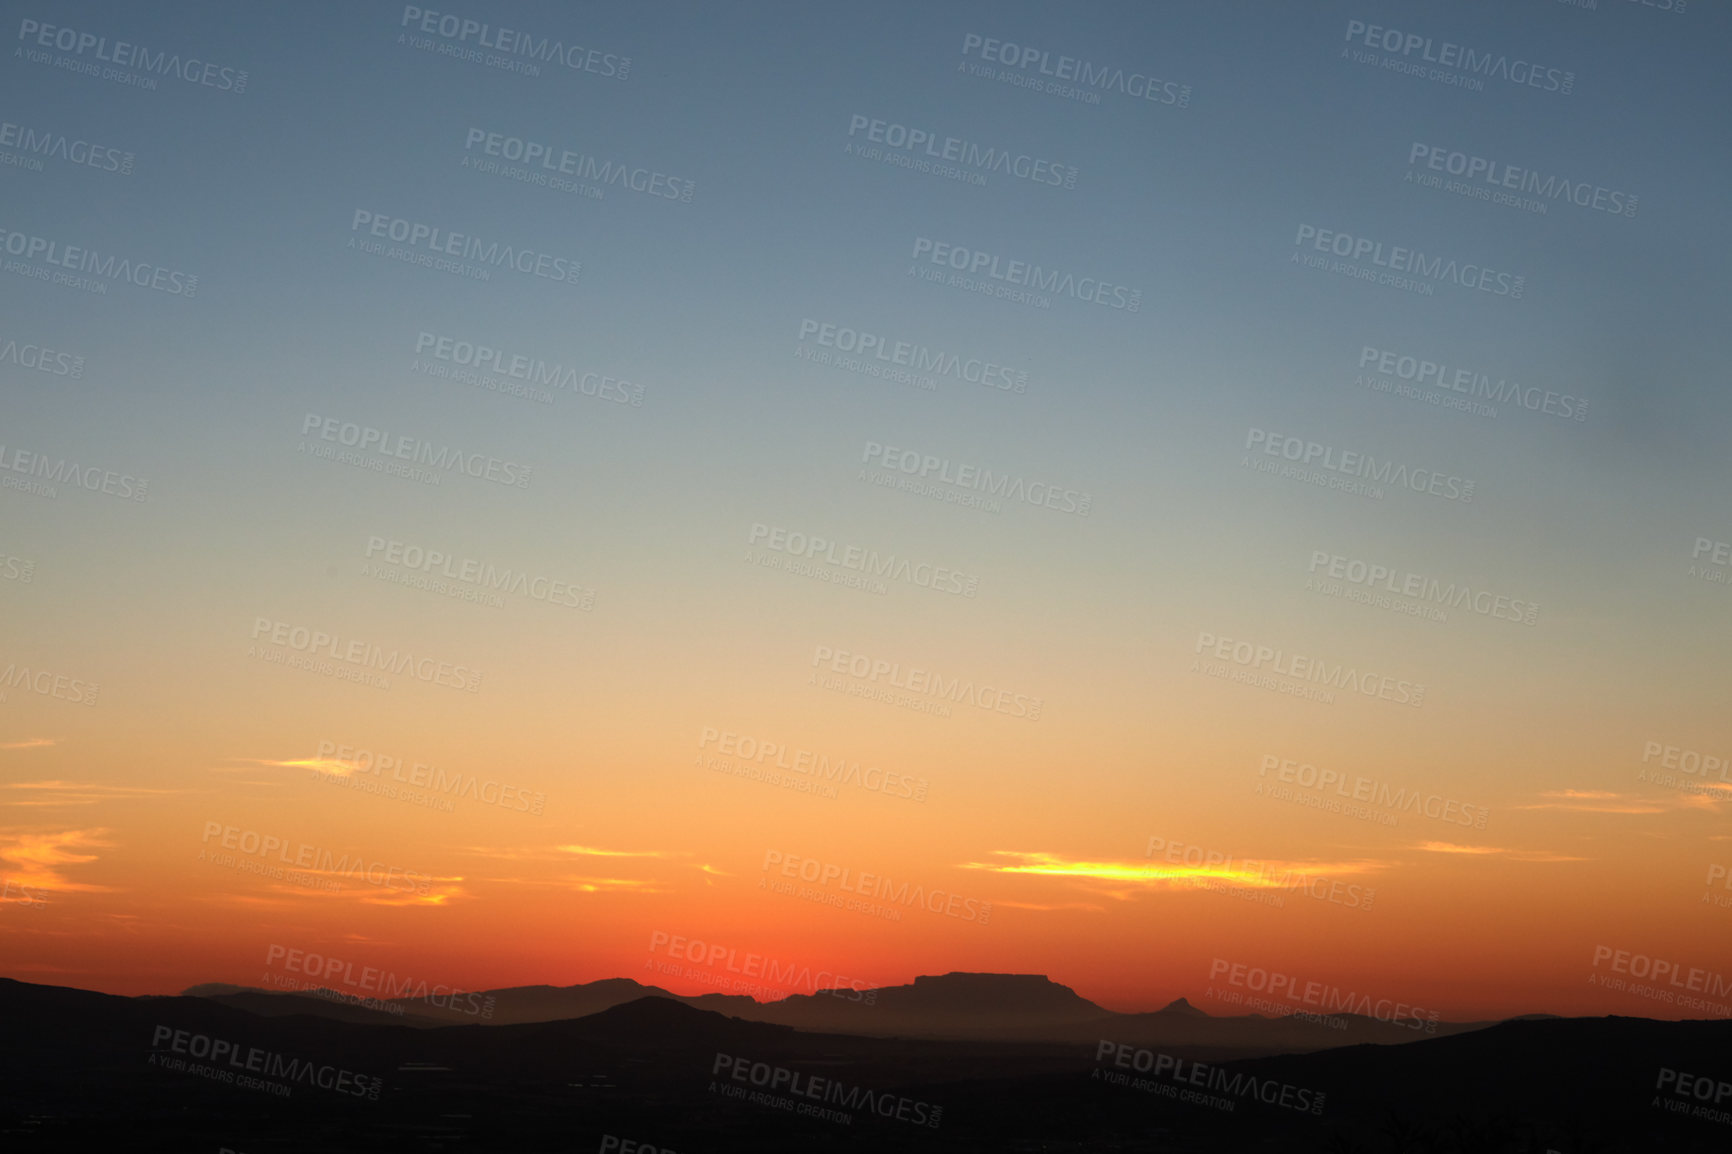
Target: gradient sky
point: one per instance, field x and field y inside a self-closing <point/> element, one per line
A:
<point x="652" y="506"/>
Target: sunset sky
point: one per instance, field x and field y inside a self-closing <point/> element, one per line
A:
<point x="1073" y="703"/>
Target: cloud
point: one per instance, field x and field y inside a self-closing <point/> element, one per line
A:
<point x="1089" y="906"/>
<point x="40" y="859"/>
<point x="1534" y="855"/>
<point x="338" y="886"/>
<point x="328" y="765"/>
<point x="561" y="853"/>
<point x="31" y="743"/>
<point x="1168" y="875"/>
<point x="62" y="793"/>
<point x="583" y="882"/>
<point x="590" y="885"/>
<point x="1605" y="801"/>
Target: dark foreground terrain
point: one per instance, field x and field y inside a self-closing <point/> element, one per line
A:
<point x="87" y="1071"/>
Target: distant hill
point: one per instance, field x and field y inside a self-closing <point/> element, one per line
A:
<point x="955" y="1006"/>
<point x="518" y="1004"/>
<point x="334" y="1005"/>
<point x="83" y="1072"/>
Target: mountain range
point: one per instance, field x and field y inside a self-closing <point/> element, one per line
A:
<point x="954" y="1007"/>
<point x="94" y="1071"/>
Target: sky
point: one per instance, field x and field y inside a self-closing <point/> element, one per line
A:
<point x="1111" y="491"/>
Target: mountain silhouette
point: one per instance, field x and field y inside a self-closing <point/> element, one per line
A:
<point x="957" y="1006"/>
<point x="85" y="1069"/>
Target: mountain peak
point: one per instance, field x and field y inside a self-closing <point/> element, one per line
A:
<point x="1181" y="1006"/>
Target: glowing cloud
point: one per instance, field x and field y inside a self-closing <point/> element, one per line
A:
<point x="1245" y="872"/>
<point x="1534" y="855"/>
<point x="62" y="793"/>
<point x="39" y="859"/>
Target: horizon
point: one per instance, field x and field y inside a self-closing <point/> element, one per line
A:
<point x="1192" y="502"/>
<point x="1302" y="1001"/>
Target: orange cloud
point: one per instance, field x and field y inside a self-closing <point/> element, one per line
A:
<point x="1603" y="801"/>
<point x="1534" y="855"/>
<point x="60" y="793"/>
<point x="1245" y="872"/>
<point x="328" y="765"/>
<point x="40" y="859"/>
